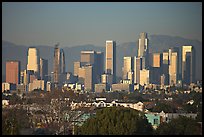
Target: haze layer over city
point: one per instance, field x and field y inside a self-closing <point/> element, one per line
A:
<point x="68" y="68"/>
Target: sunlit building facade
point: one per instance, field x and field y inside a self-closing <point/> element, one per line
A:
<point x="111" y="58"/>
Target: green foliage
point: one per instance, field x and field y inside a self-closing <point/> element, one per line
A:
<point x="179" y="126"/>
<point x="116" y="121"/>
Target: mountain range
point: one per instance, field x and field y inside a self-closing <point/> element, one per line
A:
<point x="157" y="43"/>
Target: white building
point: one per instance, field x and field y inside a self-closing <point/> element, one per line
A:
<point x="33" y="59"/>
<point x="5" y="86"/>
<point x="144" y="77"/>
<point x="36" y="84"/>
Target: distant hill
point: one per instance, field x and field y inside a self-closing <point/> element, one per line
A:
<point x="157" y="43"/>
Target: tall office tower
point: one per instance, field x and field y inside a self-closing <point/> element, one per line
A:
<point x="33" y="60"/>
<point x="144" y="77"/>
<point x="57" y="65"/>
<point x="62" y="61"/>
<point x="156" y="68"/>
<point x="188" y="64"/>
<point x="86" y="75"/>
<point x="179" y="64"/>
<point x="111" y="58"/>
<point x="156" y="60"/>
<point x="127" y="66"/>
<point x="137" y="68"/>
<point x="43" y="69"/>
<point x="173" y="67"/>
<point x="89" y="58"/>
<point x="13" y="69"/>
<point x="165" y="66"/>
<point x="77" y="65"/>
<point x="143" y="50"/>
<point x="99" y="65"/>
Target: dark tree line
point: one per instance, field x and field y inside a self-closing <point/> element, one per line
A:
<point x="116" y="121"/>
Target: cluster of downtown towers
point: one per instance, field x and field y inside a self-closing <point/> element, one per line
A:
<point x="171" y="67"/>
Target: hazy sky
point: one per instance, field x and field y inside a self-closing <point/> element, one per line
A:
<point x="92" y="23"/>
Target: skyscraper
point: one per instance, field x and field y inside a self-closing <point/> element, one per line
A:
<point x="188" y="64"/>
<point x="165" y="67"/>
<point x="99" y="65"/>
<point x="77" y="65"/>
<point x="85" y="75"/>
<point x="56" y="64"/>
<point x="62" y="61"/>
<point x="13" y="72"/>
<point x="173" y="68"/>
<point x="137" y="68"/>
<point x="156" y="60"/>
<point x="33" y="60"/>
<point x="89" y="58"/>
<point x="144" y="77"/>
<point x="127" y="66"/>
<point x="143" y="49"/>
<point x="179" y="64"/>
<point x="156" y="68"/>
<point x="111" y="58"/>
<point x="59" y="63"/>
<point x="43" y="69"/>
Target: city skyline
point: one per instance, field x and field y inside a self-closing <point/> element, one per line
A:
<point x="102" y="68"/>
<point x="89" y="23"/>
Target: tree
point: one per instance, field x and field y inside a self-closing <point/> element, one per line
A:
<point x="179" y="126"/>
<point x="116" y="121"/>
<point x="13" y="121"/>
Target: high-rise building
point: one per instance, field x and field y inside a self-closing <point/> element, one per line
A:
<point x="27" y="74"/>
<point x="13" y="69"/>
<point x="111" y="58"/>
<point x="137" y="68"/>
<point x="156" y="60"/>
<point x="173" y="68"/>
<point x="143" y="49"/>
<point x="179" y="64"/>
<point x="99" y="65"/>
<point x="77" y="65"/>
<point x="86" y="75"/>
<point x="188" y="64"/>
<point x="144" y="77"/>
<point x="57" y="64"/>
<point x="156" y="68"/>
<point x="43" y="69"/>
<point x="88" y="57"/>
<point x="33" y="60"/>
<point x="165" y="67"/>
<point x="127" y="66"/>
<point x="62" y="61"/>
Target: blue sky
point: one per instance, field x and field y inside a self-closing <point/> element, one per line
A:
<point x="93" y="23"/>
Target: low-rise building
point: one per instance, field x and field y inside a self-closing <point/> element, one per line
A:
<point x="36" y="84"/>
<point x="8" y="86"/>
<point x="153" y="119"/>
<point x="101" y="87"/>
<point x="122" y="87"/>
